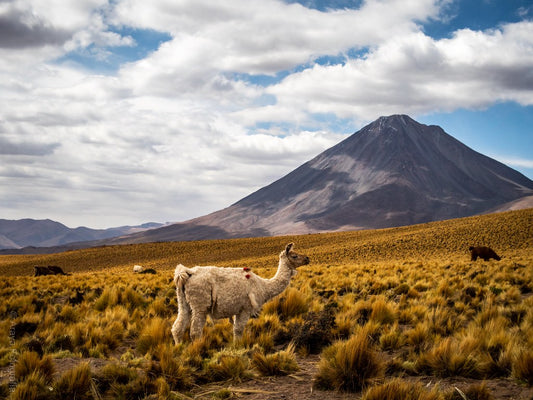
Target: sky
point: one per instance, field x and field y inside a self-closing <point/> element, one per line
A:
<point x="121" y="112"/>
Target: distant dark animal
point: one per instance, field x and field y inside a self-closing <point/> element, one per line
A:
<point x="50" y="270"/>
<point x="148" y="271"/>
<point x="486" y="253"/>
<point x="56" y="270"/>
<point x="42" y="271"/>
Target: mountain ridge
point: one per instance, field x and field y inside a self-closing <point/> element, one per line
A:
<point x="28" y="232"/>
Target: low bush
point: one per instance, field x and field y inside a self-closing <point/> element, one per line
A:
<point x="315" y="332"/>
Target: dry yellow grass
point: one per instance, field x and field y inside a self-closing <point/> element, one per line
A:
<point x="426" y="309"/>
<point x="446" y="240"/>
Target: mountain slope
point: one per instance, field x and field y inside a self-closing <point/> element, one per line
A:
<point x="393" y="172"/>
<point x="46" y="233"/>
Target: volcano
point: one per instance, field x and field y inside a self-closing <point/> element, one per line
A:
<point x="393" y="172"/>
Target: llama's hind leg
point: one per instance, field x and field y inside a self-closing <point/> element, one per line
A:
<point x="197" y="324"/>
<point x="239" y="324"/>
<point x="181" y="324"/>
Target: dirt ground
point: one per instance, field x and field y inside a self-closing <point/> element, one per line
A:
<point x="300" y="384"/>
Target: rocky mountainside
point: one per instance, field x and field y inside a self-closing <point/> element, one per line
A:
<point x="393" y="172"/>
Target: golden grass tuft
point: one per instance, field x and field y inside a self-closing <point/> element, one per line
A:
<point x="523" y="366"/>
<point x="169" y="365"/>
<point x="30" y="362"/>
<point x="155" y="332"/>
<point x="382" y="312"/>
<point x="288" y="305"/>
<point x="33" y="387"/>
<point x="228" y="365"/>
<point x="447" y="358"/>
<point x="280" y="363"/>
<point x="75" y="384"/>
<point x="349" y="365"/>
<point x="397" y="389"/>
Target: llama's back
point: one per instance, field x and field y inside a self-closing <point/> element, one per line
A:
<point x="225" y="291"/>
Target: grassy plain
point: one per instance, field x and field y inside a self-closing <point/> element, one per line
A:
<point x="376" y="314"/>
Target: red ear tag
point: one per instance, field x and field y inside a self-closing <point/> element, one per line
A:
<point x="247" y="276"/>
<point x="246" y="269"/>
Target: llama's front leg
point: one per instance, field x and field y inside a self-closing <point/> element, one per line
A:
<point x="197" y="324"/>
<point x="239" y="324"/>
<point x="180" y="325"/>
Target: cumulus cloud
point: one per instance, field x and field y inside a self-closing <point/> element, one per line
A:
<point x="264" y="37"/>
<point x="418" y="74"/>
<point x="188" y="129"/>
<point x="8" y="147"/>
<point x="17" y="33"/>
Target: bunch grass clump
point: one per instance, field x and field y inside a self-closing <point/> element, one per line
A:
<point x="523" y="366"/>
<point x="398" y="389"/>
<point x="155" y="332"/>
<point x="280" y="363"/>
<point x="350" y="365"/>
<point x="228" y="365"/>
<point x="33" y="387"/>
<point x="30" y="362"/>
<point x="447" y="358"/>
<point x="75" y="384"/>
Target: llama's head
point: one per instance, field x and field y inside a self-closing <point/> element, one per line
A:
<point x="294" y="260"/>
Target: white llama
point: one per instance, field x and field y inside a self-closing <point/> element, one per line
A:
<point x="234" y="293"/>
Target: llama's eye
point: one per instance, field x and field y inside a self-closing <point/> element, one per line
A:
<point x="294" y="256"/>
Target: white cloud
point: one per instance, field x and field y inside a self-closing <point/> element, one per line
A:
<point x="173" y="135"/>
<point x="516" y="162"/>
<point x="418" y="74"/>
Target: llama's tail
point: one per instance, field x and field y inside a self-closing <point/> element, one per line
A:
<point x="181" y="275"/>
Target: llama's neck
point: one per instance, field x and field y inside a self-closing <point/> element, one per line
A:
<point x="278" y="282"/>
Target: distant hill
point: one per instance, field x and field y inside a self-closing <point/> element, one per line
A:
<point x="393" y="172"/>
<point x="16" y="234"/>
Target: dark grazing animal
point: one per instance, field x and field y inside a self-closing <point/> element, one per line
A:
<point x="56" y="270"/>
<point x="50" y="270"/>
<point x="483" y="252"/>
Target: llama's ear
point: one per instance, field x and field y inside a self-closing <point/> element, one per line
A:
<point x="288" y="248"/>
